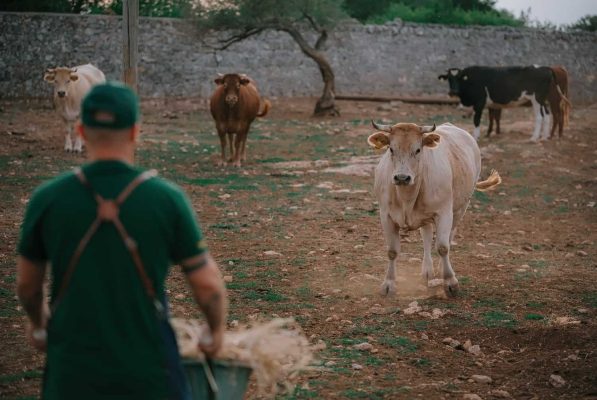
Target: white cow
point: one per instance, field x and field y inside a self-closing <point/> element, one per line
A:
<point x="70" y="86"/>
<point x="426" y="177"/>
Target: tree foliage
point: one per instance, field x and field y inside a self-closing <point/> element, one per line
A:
<point x="147" y="8"/>
<point x="457" y="12"/>
<point x="586" y="23"/>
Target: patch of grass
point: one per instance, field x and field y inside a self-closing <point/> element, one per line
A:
<point x="535" y="304"/>
<point x="404" y="344"/>
<point x="482" y="197"/>
<point x="300" y="393"/>
<point x="31" y="374"/>
<point x="562" y="209"/>
<point x="498" y="319"/>
<point x="534" y="317"/>
<point x="590" y="298"/>
<point x="488" y="303"/>
<point x="421" y="362"/>
<point x="241" y="285"/>
<point x="263" y="294"/>
<point x="304" y="292"/>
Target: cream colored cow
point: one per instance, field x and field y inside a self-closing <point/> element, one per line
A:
<point x="70" y="86"/>
<point x="425" y="178"/>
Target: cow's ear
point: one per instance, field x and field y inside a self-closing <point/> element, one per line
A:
<point x="443" y="77"/>
<point x="431" y="139"/>
<point x="219" y="80"/>
<point x="74" y="77"/>
<point x="379" y="140"/>
<point x="49" y="77"/>
<point x="244" y="80"/>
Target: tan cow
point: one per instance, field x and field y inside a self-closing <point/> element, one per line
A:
<point x="234" y="105"/>
<point x="70" y="86"/>
<point x="425" y="178"/>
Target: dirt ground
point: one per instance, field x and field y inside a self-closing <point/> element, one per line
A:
<point x="525" y="253"/>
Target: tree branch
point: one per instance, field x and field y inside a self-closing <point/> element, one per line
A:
<point x="323" y="33"/>
<point x="225" y="43"/>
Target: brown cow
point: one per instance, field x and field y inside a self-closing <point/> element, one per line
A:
<point x="234" y="105"/>
<point x="559" y="103"/>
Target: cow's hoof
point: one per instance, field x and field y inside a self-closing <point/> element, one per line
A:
<point x="388" y="288"/>
<point x="451" y="287"/>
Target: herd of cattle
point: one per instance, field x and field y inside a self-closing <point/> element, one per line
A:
<point x="427" y="174"/>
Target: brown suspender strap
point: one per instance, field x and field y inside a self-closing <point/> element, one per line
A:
<point x="107" y="211"/>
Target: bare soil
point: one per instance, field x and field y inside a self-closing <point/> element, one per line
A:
<point x="525" y="253"/>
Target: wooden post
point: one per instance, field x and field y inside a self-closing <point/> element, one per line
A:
<point x="130" y="27"/>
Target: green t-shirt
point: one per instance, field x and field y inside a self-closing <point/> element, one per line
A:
<point x="104" y="338"/>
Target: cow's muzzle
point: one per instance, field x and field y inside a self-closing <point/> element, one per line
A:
<point x="231" y="100"/>
<point x="61" y="93"/>
<point x="402" y="179"/>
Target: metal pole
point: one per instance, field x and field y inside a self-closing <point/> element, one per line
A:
<point x="130" y="19"/>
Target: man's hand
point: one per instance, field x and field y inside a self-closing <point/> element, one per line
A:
<point x="210" y="294"/>
<point x="37" y="337"/>
<point x="213" y="344"/>
<point x="30" y="279"/>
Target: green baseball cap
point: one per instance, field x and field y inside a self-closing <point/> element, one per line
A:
<point x="110" y="105"/>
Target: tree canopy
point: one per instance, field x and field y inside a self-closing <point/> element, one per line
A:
<point x="586" y="23"/>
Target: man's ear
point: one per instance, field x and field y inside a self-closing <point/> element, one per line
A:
<point x="135" y="132"/>
<point x="431" y="139"/>
<point x="379" y="140"/>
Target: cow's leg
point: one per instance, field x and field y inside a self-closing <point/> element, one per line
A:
<point x="477" y="121"/>
<point x="498" y="117"/>
<point x="223" y="138"/>
<point x="427" y="264"/>
<point x="546" y="122"/>
<point x="238" y="143"/>
<point x="244" y="153"/>
<point x="68" y="142"/>
<point x="231" y="137"/>
<point x="538" y="119"/>
<point x="392" y="237"/>
<point x="443" y="232"/>
<point x="491" y="113"/>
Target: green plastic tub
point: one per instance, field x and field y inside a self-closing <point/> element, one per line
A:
<point x="231" y="379"/>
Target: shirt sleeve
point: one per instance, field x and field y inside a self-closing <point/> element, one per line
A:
<point x="188" y="238"/>
<point x="31" y="244"/>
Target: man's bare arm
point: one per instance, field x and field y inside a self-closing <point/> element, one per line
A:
<point x="210" y="294"/>
<point x="30" y="289"/>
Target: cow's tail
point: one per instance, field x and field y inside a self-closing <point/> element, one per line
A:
<point x="489" y="183"/>
<point x="266" y="106"/>
<point x="565" y="105"/>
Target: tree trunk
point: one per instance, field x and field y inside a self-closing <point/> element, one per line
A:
<point x="326" y="105"/>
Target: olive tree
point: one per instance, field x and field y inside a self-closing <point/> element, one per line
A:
<point x="241" y="19"/>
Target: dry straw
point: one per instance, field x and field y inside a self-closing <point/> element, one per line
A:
<point x="276" y="350"/>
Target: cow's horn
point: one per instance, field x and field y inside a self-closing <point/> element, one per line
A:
<point x="51" y="70"/>
<point x="381" y="127"/>
<point x="427" y="129"/>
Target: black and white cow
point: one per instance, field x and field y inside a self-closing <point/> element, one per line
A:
<point x="501" y="87"/>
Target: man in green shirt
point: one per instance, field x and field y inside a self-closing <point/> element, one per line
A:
<point x="110" y="231"/>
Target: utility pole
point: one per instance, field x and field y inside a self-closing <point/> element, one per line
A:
<point x="130" y="28"/>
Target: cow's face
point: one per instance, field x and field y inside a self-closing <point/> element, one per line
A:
<point x="232" y="84"/>
<point x="405" y="143"/>
<point x="455" y="78"/>
<point x="62" y="79"/>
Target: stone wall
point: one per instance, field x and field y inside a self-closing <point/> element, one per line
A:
<point x="396" y="58"/>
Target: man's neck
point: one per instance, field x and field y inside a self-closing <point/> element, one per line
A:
<point x="123" y="155"/>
